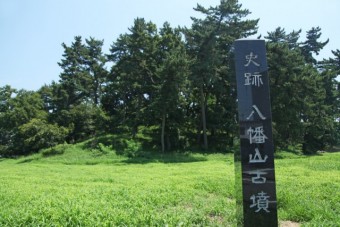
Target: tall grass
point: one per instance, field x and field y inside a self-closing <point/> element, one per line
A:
<point x="309" y="189"/>
<point x="79" y="187"/>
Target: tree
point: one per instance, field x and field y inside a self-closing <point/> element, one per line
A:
<point x="315" y="116"/>
<point x="95" y="67"/>
<point x="74" y="78"/>
<point x="19" y="110"/>
<point x="299" y="107"/>
<point x="285" y="70"/>
<point x="84" y="71"/>
<point x="80" y="90"/>
<point x="280" y="36"/>
<point x="330" y="71"/>
<point x="209" y="42"/>
<point x="38" y="134"/>
<point x="133" y="74"/>
<point x="6" y="93"/>
<point x="85" y="120"/>
<point x="172" y="78"/>
<point x="312" y="45"/>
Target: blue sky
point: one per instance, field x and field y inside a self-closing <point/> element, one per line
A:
<point x="31" y="31"/>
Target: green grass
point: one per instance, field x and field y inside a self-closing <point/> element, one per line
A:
<point x="309" y="189"/>
<point x="77" y="187"/>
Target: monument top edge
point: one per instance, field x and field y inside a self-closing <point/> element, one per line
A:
<point x="249" y="39"/>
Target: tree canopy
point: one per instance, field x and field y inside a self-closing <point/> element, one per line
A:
<point x="174" y="89"/>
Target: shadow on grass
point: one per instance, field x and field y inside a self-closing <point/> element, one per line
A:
<point x="333" y="149"/>
<point x="26" y="160"/>
<point x="289" y="152"/>
<point x="146" y="158"/>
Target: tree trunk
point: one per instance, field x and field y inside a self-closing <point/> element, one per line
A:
<point x="204" y="123"/>
<point x="168" y="142"/>
<point x="95" y="92"/>
<point x="163" y="132"/>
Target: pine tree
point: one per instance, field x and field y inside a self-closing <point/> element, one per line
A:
<point x="286" y="68"/>
<point x="133" y="73"/>
<point x="312" y="45"/>
<point x="94" y="65"/>
<point x="80" y="89"/>
<point x="74" y="79"/>
<point x="84" y="71"/>
<point x="280" y="36"/>
<point x="330" y="69"/>
<point x="298" y="94"/>
<point x="209" y="42"/>
<point x="173" y="71"/>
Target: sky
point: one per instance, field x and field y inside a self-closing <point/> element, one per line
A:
<point x="32" y="31"/>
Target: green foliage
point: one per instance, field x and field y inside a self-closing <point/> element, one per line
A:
<point x="104" y="149"/>
<point x="25" y="106"/>
<point x="86" y="120"/>
<point x="133" y="75"/>
<point x="312" y="45"/>
<point x="6" y="93"/>
<point x="16" y="112"/>
<point x="209" y="42"/>
<point x="127" y="147"/>
<point x="132" y="148"/>
<point x="56" y="150"/>
<point x="173" y="72"/>
<point x="302" y="97"/>
<point x="174" y="89"/>
<point x="38" y="134"/>
<point x="83" y="73"/>
<point x="331" y="83"/>
<point x="285" y="81"/>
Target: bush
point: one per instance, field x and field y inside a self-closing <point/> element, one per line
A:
<point x="3" y="151"/>
<point x="104" y="149"/>
<point x="38" y="134"/>
<point x="129" y="148"/>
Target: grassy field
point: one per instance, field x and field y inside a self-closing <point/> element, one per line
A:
<point x="95" y="188"/>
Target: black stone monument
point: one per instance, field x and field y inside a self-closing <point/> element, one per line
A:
<point x="254" y="165"/>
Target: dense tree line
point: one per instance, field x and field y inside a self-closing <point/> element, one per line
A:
<point x="174" y="88"/>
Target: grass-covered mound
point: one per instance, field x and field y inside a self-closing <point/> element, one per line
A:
<point x="91" y="185"/>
